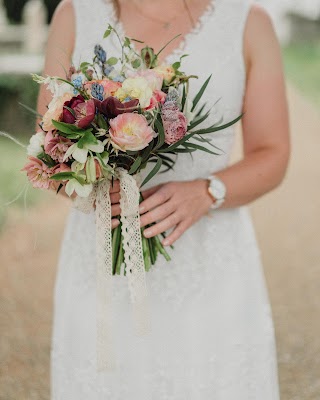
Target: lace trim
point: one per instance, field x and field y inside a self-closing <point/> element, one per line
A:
<point x="135" y="270"/>
<point x="184" y="43"/>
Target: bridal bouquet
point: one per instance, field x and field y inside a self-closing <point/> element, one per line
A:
<point x="109" y="119"/>
<point x="116" y="115"/>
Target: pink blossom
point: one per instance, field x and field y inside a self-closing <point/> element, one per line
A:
<point x="174" y="122"/>
<point x="39" y="173"/>
<point x="130" y="131"/>
<point x="157" y="97"/>
<point x="56" y="146"/>
<point x="61" y="168"/>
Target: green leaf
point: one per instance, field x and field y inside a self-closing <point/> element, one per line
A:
<point x="185" y="150"/>
<point x="197" y="121"/>
<point x="173" y="146"/>
<point x="184" y="97"/>
<point x="200" y="93"/>
<point x="215" y="128"/>
<point x="112" y="61"/>
<point x="107" y="33"/>
<point x="84" y="66"/>
<point x="127" y="42"/>
<point x="136" y="63"/>
<point x="153" y="172"/>
<point x="176" y="65"/>
<point x="198" y="147"/>
<point x="135" y="165"/>
<point x="102" y="123"/>
<point x="200" y="111"/>
<point x="147" y="150"/>
<point x="161" y="135"/>
<point x="46" y="159"/>
<point x="68" y="128"/>
<point x="87" y="138"/>
<point x="63" y="176"/>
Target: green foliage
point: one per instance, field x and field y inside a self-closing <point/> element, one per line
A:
<point x="15" y="89"/>
<point x="302" y="65"/>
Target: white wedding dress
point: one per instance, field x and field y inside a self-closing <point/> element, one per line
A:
<point x="212" y="327"/>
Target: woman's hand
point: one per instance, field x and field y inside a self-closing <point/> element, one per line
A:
<point x="175" y="205"/>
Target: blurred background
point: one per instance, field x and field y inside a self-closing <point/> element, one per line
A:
<point x="31" y="222"/>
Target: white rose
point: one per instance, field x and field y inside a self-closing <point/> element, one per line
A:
<point x="35" y="145"/>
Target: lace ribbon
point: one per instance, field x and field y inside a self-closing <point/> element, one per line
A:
<point x="133" y="255"/>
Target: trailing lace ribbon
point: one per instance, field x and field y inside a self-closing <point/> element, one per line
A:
<point x="133" y="256"/>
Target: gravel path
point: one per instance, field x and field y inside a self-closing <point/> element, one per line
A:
<point x="287" y="227"/>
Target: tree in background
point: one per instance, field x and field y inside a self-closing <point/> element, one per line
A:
<point x="14" y="8"/>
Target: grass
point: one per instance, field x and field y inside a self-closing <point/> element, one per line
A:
<point x="302" y="66"/>
<point x="13" y="182"/>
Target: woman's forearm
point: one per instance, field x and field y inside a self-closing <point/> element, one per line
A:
<point x="258" y="173"/>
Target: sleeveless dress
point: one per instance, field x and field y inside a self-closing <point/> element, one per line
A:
<point x="212" y="328"/>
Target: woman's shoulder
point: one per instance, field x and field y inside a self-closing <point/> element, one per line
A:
<point x="259" y="36"/>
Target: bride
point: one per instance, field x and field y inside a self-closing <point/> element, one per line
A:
<point x="212" y="327"/>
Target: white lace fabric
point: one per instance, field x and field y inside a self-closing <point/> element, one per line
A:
<point x="133" y="255"/>
<point x="212" y="334"/>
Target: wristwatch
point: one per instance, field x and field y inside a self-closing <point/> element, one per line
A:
<point x="217" y="191"/>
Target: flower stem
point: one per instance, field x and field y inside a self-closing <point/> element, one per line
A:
<point x="116" y="245"/>
<point x="120" y="257"/>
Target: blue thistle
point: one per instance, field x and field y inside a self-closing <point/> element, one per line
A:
<point x="77" y="83"/>
<point x="100" y="53"/>
<point x="173" y="95"/>
<point x="97" y="91"/>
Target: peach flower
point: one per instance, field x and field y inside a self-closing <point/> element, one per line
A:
<point x="55" y="110"/>
<point x="39" y="173"/>
<point x="130" y="131"/>
<point x="167" y="72"/>
<point x="109" y="86"/>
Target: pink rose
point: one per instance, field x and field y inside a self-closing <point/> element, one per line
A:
<point x="130" y="131"/>
<point x="39" y="173"/>
<point x="56" y="146"/>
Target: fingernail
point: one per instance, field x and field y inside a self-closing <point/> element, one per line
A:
<point x="165" y="242"/>
<point x="147" y="233"/>
<point x="141" y="208"/>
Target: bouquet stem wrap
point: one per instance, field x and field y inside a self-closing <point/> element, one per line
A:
<point x="133" y="255"/>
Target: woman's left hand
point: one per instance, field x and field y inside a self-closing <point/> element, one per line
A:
<point x="175" y="205"/>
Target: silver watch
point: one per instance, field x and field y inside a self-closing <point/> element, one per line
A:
<point x="217" y="191"/>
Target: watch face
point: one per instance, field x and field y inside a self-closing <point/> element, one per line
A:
<point x="218" y="189"/>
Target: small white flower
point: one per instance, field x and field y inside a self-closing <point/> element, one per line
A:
<point x="74" y="186"/>
<point x="187" y="110"/>
<point x="81" y="155"/>
<point x="35" y="145"/>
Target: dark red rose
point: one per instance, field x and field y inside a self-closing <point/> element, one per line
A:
<point x="111" y="106"/>
<point x="67" y="116"/>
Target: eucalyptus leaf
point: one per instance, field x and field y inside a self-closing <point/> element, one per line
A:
<point x="107" y="33"/>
